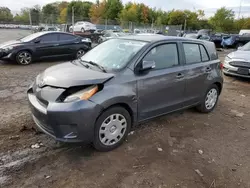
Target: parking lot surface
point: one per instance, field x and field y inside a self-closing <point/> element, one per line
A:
<point x="185" y="149"/>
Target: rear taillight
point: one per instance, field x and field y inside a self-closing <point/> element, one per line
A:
<point x="221" y="65"/>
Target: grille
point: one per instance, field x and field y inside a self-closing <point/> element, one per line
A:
<point x="240" y="64"/>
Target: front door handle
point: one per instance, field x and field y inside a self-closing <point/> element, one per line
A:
<point x="179" y="76"/>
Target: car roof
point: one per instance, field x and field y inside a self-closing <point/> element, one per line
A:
<point x="156" y="37"/>
<point x="48" y="32"/>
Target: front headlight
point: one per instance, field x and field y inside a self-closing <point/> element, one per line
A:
<point x="8" y="48"/>
<point x="86" y="40"/>
<point x="84" y="94"/>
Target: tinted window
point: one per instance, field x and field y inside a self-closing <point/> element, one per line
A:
<point x="49" y="38"/>
<point x="204" y="56"/>
<point x="192" y="53"/>
<point x="164" y="56"/>
<point x="64" y="37"/>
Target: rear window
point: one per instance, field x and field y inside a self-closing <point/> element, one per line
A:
<point x="66" y="37"/>
<point x="195" y="53"/>
<point x="204" y="56"/>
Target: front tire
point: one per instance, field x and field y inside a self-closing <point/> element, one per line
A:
<point x="24" y="58"/>
<point x="111" y="128"/>
<point x="210" y="100"/>
<point x="80" y="53"/>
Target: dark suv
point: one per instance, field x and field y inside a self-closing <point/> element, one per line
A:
<point x="121" y="82"/>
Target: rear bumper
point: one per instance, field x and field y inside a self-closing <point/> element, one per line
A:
<point x="65" y="122"/>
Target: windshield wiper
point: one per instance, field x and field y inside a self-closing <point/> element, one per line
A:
<point x="94" y="64"/>
<point x="86" y="66"/>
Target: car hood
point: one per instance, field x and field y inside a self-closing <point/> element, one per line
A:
<point x="241" y="55"/>
<point x="9" y="43"/>
<point x="68" y="75"/>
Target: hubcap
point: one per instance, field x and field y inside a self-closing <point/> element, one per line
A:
<point x="211" y="98"/>
<point x="80" y="53"/>
<point x="24" y="58"/>
<point x="112" y="129"/>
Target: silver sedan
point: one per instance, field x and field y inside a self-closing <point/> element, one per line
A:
<point x="238" y="63"/>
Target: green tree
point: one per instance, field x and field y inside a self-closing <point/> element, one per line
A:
<point x="97" y="12"/>
<point x="176" y="17"/>
<point x="50" y="13"/>
<point x="35" y="13"/>
<point x="5" y="14"/>
<point x="81" y="10"/>
<point x="243" y="23"/>
<point x="191" y="19"/>
<point x="23" y="16"/>
<point x="113" y="9"/>
<point x="223" y="20"/>
<point x="130" y="14"/>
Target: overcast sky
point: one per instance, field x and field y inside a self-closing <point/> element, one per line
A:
<point x="16" y="5"/>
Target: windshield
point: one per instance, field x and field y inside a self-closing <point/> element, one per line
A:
<point x="30" y="37"/>
<point x="246" y="47"/>
<point x="114" y="54"/>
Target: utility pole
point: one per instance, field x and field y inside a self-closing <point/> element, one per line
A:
<point x="73" y="20"/>
<point x="30" y="19"/>
<point x="185" y="25"/>
<point x="240" y="9"/>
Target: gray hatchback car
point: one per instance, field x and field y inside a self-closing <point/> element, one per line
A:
<point x="122" y="82"/>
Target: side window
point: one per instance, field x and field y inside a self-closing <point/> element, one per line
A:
<point x="192" y="53"/>
<point x="164" y="56"/>
<point x="66" y="37"/>
<point x="49" y="38"/>
<point x="204" y="56"/>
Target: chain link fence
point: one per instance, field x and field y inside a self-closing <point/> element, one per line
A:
<point x="33" y="20"/>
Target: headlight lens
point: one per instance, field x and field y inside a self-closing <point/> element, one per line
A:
<point x="86" y="40"/>
<point x="227" y="58"/>
<point x="8" y="48"/>
<point x="84" y="94"/>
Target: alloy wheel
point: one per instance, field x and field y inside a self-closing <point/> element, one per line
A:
<point x="24" y="58"/>
<point x="80" y="53"/>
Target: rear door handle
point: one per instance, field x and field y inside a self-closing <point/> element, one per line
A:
<point x="179" y="75"/>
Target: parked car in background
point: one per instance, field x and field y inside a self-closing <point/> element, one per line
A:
<point x="238" y="63"/>
<point x="82" y="27"/>
<point x="197" y="36"/>
<point x="45" y="44"/>
<point x="109" y="35"/>
<point x="122" y="82"/>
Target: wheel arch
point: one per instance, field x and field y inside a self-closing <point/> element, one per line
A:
<point x="219" y="85"/>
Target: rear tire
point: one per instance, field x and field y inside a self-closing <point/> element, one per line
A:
<point x="111" y="129"/>
<point x="24" y="57"/>
<point x="209" y="100"/>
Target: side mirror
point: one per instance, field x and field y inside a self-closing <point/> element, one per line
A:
<point x="239" y="48"/>
<point x="147" y="65"/>
<point x="37" y="40"/>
